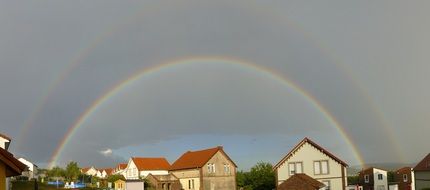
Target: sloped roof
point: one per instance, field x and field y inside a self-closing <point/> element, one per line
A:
<point x="167" y="177"/>
<point x="121" y="166"/>
<point x="5" y="137"/>
<point x="424" y="164"/>
<point x="299" y="182"/>
<point x="108" y="171"/>
<point x="13" y="166"/>
<point x="151" y="163"/>
<point x="197" y="159"/>
<point x="307" y="140"/>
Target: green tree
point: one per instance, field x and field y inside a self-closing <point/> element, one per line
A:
<point x="55" y="173"/>
<point x="72" y="171"/>
<point x="113" y="178"/>
<point x="353" y="180"/>
<point x="261" y="177"/>
<point x="390" y="176"/>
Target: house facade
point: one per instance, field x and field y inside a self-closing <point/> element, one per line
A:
<point x="92" y="171"/>
<point x="373" y="179"/>
<point x="405" y="177"/>
<point x="120" y="169"/>
<point x="9" y="167"/>
<point x="309" y="158"/>
<point x="4" y="141"/>
<point x="31" y="173"/>
<point x="207" y="169"/>
<point x="138" y="167"/>
<point x="422" y="173"/>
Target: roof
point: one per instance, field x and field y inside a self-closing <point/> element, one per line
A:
<point x="121" y="166"/>
<point x="370" y="169"/>
<point x="5" y="137"/>
<point x="13" y="166"/>
<point x="197" y="159"/>
<point x="151" y="163"/>
<point x="300" y="181"/>
<point x="404" y="169"/>
<point x="108" y="171"/>
<point x="307" y="140"/>
<point x="424" y="164"/>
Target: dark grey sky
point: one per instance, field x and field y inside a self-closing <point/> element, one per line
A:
<point x="366" y="63"/>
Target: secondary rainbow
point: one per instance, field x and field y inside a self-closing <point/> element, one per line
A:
<point x="195" y="60"/>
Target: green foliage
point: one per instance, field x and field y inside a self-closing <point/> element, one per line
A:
<point x="390" y="176"/>
<point x="353" y="180"/>
<point x="72" y="171"/>
<point x="55" y="172"/>
<point x="261" y="177"/>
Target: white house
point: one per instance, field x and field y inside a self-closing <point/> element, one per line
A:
<point x="32" y="169"/>
<point x="120" y="169"/>
<point x="92" y="171"/>
<point x="4" y="141"/>
<point x="311" y="159"/>
<point x="373" y="179"/>
<point x="141" y="167"/>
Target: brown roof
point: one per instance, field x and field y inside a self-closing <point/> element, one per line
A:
<point x="307" y="140"/>
<point x="404" y="169"/>
<point x="109" y="171"/>
<point x="424" y="164"/>
<point x="13" y="166"/>
<point x="151" y="163"/>
<point x="121" y="166"/>
<point x="197" y="159"/>
<point x="167" y="177"/>
<point x="300" y="182"/>
<point x="5" y="137"/>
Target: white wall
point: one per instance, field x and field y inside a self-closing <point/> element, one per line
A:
<point x="153" y="172"/>
<point x="378" y="183"/>
<point x="307" y="154"/>
<point x="135" y="185"/>
<point x="3" y="142"/>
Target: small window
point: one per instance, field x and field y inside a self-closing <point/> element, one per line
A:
<point x="295" y="168"/>
<point x="321" y="167"/>
<point x="211" y="168"/>
<point x="405" y="178"/>
<point x="366" y="178"/>
<point x="380" y="177"/>
<point x="227" y="169"/>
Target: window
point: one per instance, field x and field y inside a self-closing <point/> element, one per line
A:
<point x="405" y="177"/>
<point x="327" y="185"/>
<point x="321" y="167"/>
<point x="295" y="168"/>
<point x="211" y="168"/>
<point x="380" y="177"/>
<point x="227" y="168"/>
<point x="366" y="178"/>
<point x="191" y="184"/>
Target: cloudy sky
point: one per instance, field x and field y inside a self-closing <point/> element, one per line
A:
<point x="252" y="76"/>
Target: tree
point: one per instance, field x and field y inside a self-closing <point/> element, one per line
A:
<point x="55" y="173"/>
<point x="261" y="177"/>
<point x="72" y="171"/>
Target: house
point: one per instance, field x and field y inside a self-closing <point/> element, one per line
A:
<point x="140" y="167"/>
<point x="104" y="173"/>
<point x="207" y="169"/>
<point x="163" y="182"/>
<point x="4" y="141"/>
<point x="91" y="171"/>
<point x="9" y="166"/>
<point x="119" y="184"/>
<point x="405" y="178"/>
<point x="32" y="172"/>
<point x="301" y="182"/>
<point x="313" y="160"/>
<point x="422" y="173"/>
<point x="373" y="179"/>
<point x="120" y="169"/>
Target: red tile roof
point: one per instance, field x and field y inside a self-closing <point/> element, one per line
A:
<point x="13" y="166"/>
<point x="307" y="140"/>
<point x="151" y="163"/>
<point x="109" y="171"/>
<point x="121" y="166"/>
<point x="197" y="159"/>
<point x="424" y="164"/>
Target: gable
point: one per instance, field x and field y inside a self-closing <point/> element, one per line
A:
<point x="316" y="150"/>
<point x="197" y="159"/>
<point x="424" y="164"/>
